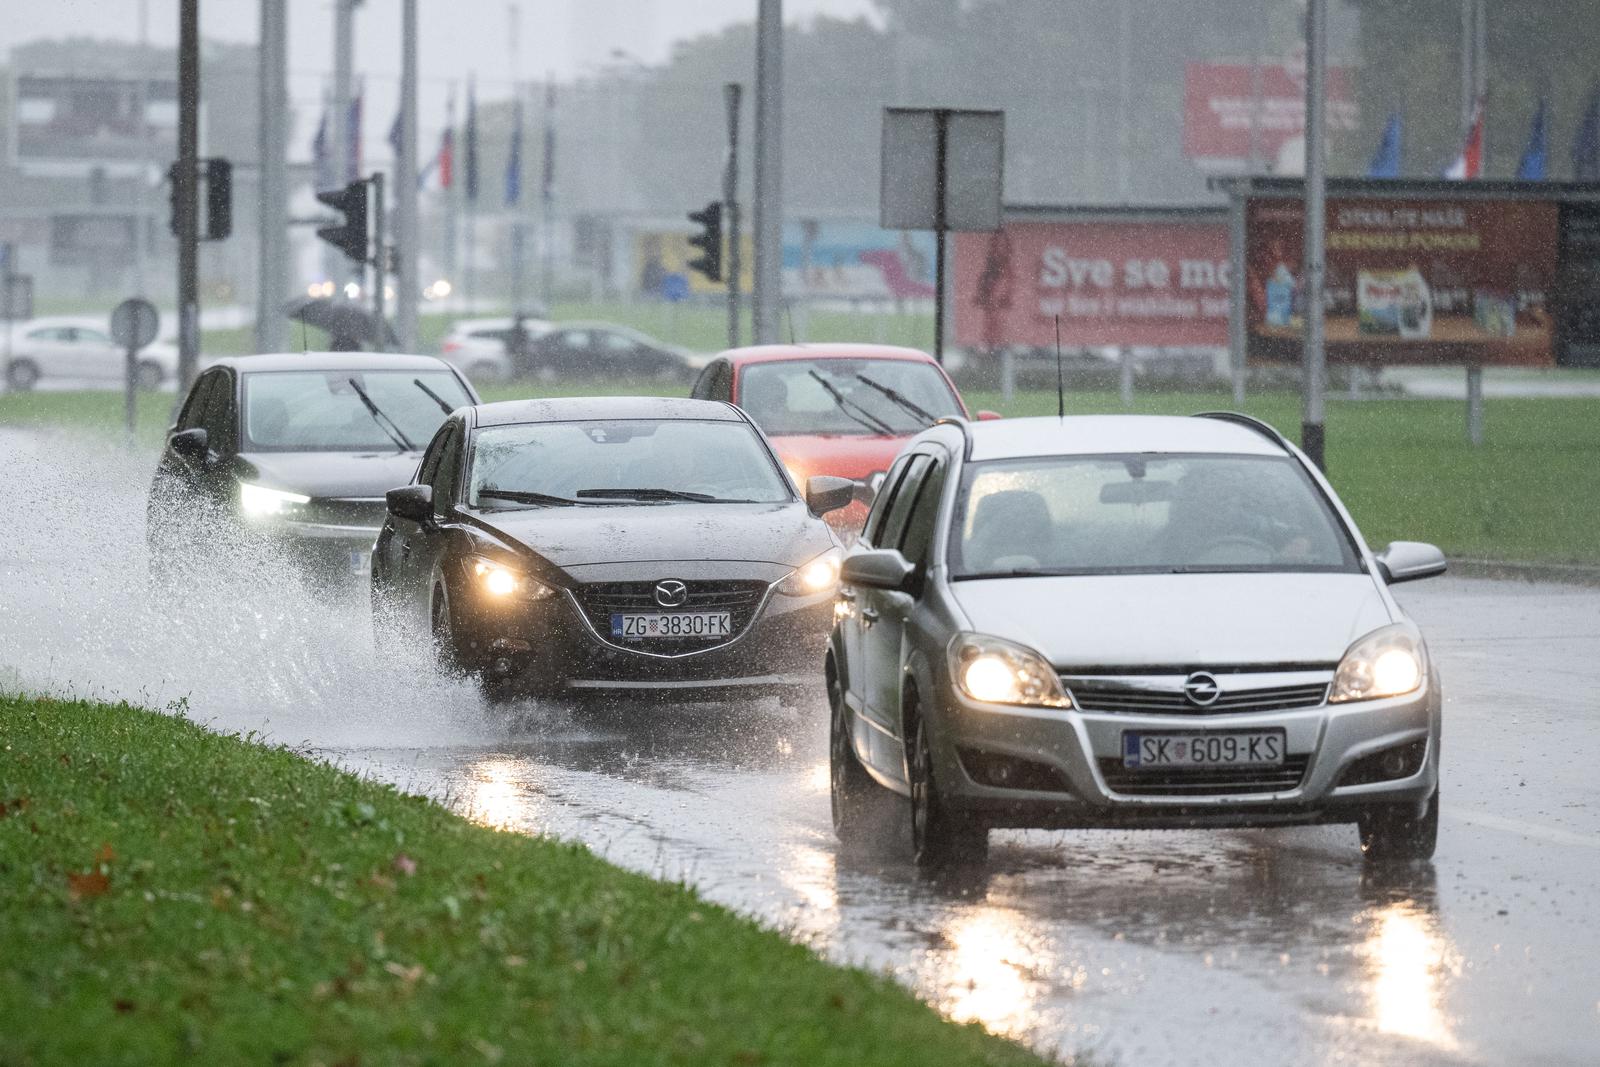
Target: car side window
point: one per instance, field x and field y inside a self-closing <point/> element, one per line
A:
<point x="431" y="457"/>
<point x="448" y="474"/>
<point x="923" y="518"/>
<point x="894" y="521"/>
<point x="882" y="502"/>
<point x="189" y="418"/>
<point x="217" y="414"/>
<point x="705" y="385"/>
<point x="722" y="382"/>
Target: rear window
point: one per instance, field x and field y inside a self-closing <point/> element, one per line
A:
<point x="882" y="397"/>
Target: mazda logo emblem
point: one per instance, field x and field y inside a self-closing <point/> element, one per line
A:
<point x="1201" y="689"/>
<point x="671" y="593"/>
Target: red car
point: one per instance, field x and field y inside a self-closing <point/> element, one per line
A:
<point x="839" y="409"/>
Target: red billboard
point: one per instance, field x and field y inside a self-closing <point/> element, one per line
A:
<point x="1156" y="283"/>
<point x="1408" y="281"/>
<point x="1223" y="100"/>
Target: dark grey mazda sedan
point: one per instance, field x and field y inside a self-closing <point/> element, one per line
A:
<point x="612" y="547"/>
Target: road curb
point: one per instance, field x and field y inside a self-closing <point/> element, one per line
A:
<point x="1563" y="573"/>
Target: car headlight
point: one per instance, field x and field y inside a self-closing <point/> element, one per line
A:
<point x="993" y="671"/>
<point x="257" y="501"/>
<point x="821" y="575"/>
<point x="501" y="582"/>
<point x="1388" y="662"/>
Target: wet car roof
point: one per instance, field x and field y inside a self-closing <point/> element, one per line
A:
<point x="582" y="408"/>
<point x="775" y="353"/>
<point x="1099" y="434"/>
<point x="329" y="361"/>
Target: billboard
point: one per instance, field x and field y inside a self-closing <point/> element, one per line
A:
<point x="113" y="122"/>
<point x="1221" y="102"/>
<point x="1408" y="281"/>
<point x="1138" y="283"/>
<point x="1577" y="292"/>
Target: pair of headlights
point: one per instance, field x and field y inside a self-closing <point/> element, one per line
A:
<point x="503" y="582"/>
<point x="1388" y="662"/>
<point x="259" y="502"/>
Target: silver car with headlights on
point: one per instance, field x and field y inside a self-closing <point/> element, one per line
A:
<point x="1126" y="621"/>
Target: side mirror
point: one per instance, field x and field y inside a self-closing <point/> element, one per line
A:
<point x="878" y="568"/>
<point x="989" y="416"/>
<point x="191" y="444"/>
<point x="1406" y="561"/>
<point x="414" y="502"/>
<point x="825" y="493"/>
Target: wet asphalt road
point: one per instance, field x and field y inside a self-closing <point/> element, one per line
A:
<point x="1154" y="947"/>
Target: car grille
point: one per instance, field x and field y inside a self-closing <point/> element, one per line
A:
<point x="741" y="599"/>
<point x="1122" y="695"/>
<point x="344" y="511"/>
<point x="1203" y="781"/>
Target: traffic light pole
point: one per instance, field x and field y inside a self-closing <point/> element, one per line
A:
<point x="273" y="239"/>
<point x="185" y="199"/>
<point x="380" y="256"/>
<point x="730" y="198"/>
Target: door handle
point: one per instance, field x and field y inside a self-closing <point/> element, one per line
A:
<point x="405" y="550"/>
<point x="847" y="594"/>
<point x="869" y="616"/>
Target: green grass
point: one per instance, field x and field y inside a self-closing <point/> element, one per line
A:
<point x="168" y="894"/>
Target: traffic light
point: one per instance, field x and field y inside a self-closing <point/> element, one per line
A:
<point x="708" y="240"/>
<point x="219" y="199"/>
<point x="351" y="236"/>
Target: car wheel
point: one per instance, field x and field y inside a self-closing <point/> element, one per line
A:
<point x="851" y="789"/>
<point x="21" y="375"/>
<point x="939" y="837"/>
<point x="486" y="371"/>
<point x="1397" y="834"/>
<point x="149" y="376"/>
<point x="446" y="647"/>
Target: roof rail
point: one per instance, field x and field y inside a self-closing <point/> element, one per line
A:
<point x="1249" y="422"/>
<point x="966" y="433"/>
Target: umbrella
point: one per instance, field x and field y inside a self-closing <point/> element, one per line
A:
<point x="350" y="326"/>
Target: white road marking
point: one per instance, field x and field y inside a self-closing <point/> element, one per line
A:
<point x="1525" y="828"/>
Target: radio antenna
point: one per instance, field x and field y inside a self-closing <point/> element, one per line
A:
<point x="1061" y="386"/>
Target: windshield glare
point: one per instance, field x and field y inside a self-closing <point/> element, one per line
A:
<point x="319" y="411"/>
<point x="1144" y="515"/>
<point x="578" y="461"/>
<point x="845" y="396"/>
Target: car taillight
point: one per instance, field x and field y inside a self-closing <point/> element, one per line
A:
<point x="452" y="346"/>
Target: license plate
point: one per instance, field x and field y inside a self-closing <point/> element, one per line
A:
<point x="1244" y="748"/>
<point x="674" y="624"/>
<point x="360" y="560"/>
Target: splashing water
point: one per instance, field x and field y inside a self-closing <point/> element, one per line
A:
<point x="242" y="640"/>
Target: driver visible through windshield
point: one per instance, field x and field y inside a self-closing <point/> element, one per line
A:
<point x="656" y="461"/>
<point x="877" y="397"/>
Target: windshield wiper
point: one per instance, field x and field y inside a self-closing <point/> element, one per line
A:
<point x="866" y="418"/>
<point x="385" y="423"/>
<point x="517" y="496"/>
<point x="660" y="494"/>
<point x="444" y="405"/>
<point x="1015" y="572"/>
<point x="899" y="398"/>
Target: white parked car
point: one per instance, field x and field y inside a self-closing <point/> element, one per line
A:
<point x="477" y="347"/>
<point x="79" y="348"/>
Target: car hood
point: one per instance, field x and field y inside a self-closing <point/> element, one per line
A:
<point x="786" y="535"/>
<point x="330" y="474"/>
<point x="1188" y="621"/>
<point x="843" y="456"/>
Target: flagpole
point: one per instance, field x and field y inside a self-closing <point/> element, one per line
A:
<point x="547" y="196"/>
<point x="469" y="173"/>
<point x="452" y="261"/>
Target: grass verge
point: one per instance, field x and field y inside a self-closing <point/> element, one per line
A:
<point x="172" y="894"/>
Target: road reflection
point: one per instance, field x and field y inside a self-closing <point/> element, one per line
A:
<point x="994" y="971"/>
<point x="496" y="794"/>
<point x="1410" y="962"/>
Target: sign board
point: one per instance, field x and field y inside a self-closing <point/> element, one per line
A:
<point x="134" y="323"/>
<point x="75" y="122"/>
<point x="1414" y="281"/>
<point x="973" y="159"/>
<point x="1577" y="293"/>
<point x="1221" y="103"/>
<point x="1126" y="282"/>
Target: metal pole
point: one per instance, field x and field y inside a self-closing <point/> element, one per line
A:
<point x="1238" y="332"/>
<point x="1257" y="86"/>
<point x="405" y="237"/>
<point x="339" y="126"/>
<point x="767" y="296"/>
<point x="141" y="232"/>
<point x="1312" y="429"/>
<point x="1125" y="101"/>
<point x="732" y="94"/>
<point x="1469" y="56"/>
<point x="1475" y="404"/>
<point x="272" y="279"/>
<point x="1480" y="69"/>
<point x="380" y="257"/>
<point x="1125" y="375"/>
<point x="185" y="199"/>
<point x="547" y="199"/>
<point x="941" y="144"/>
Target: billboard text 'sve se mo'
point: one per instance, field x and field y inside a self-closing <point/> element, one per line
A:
<point x="1409" y="281"/>
<point x="1136" y="283"/>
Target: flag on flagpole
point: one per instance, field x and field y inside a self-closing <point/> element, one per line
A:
<point x="319" y="154"/>
<point x="1534" y="157"/>
<point x="472" y="143"/>
<point x="1386" y="163"/>
<point x="548" y="183"/>
<point x="1586" y="146"/>
<point x="446" y="159"/>
<point x="352" y="139"/>
<point x="396" y="131"/>
<point x="514" y="160"/>
<point x="1469" y="164"/>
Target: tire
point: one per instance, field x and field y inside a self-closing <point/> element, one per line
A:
<point x="851" y="790"/>
<point x="446" y="646"/>
<point x="939" y="837"/>
<point x="1396" y="834"/>
<point x="149" y="376"/>
<point x="22" y="375"/>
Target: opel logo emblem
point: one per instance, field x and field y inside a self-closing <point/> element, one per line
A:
<point x="1201" y="689"/>
<point x="671" y="593"/>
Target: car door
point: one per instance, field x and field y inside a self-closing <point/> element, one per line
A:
<point x="405" y="549"/>
<point x="96" y="356"/>
<point x="217" y="476"/>
<point x="50" y="348"/>
<point x="855" y="668"/>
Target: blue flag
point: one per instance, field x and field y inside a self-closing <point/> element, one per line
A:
<point x="471" y="162"/>
<point x="1535" y="156"/>
<point x="514" y="161"/>
<point x="1586" y="146"/>
<point x="1386" y="163"/>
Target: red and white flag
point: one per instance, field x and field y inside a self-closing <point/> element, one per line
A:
<point x="1469" y="164"/>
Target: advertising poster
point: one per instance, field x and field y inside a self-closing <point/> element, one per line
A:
<point x="1221" y="104"/>
<point x="1578" y="287"/>
<point x="1408" y="281"/>
<point x="1156" y="283"/>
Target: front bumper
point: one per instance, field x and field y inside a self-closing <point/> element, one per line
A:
<point x="1062" y="758"/>
<point x="331" y="553"/>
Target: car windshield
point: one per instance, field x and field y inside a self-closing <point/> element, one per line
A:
<point x="886" y="397"/>
<point x="323" y="411"/>
<point x="658" y="461"/>
<point x="1143" y="514"/>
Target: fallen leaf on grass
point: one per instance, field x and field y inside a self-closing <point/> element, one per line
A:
<point x="123" y="1007"/>
<point x="408" y="975"/>
<point x="405" y="864"/>
<point x="106" y="853"/>
<point x="93" y="884"/>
